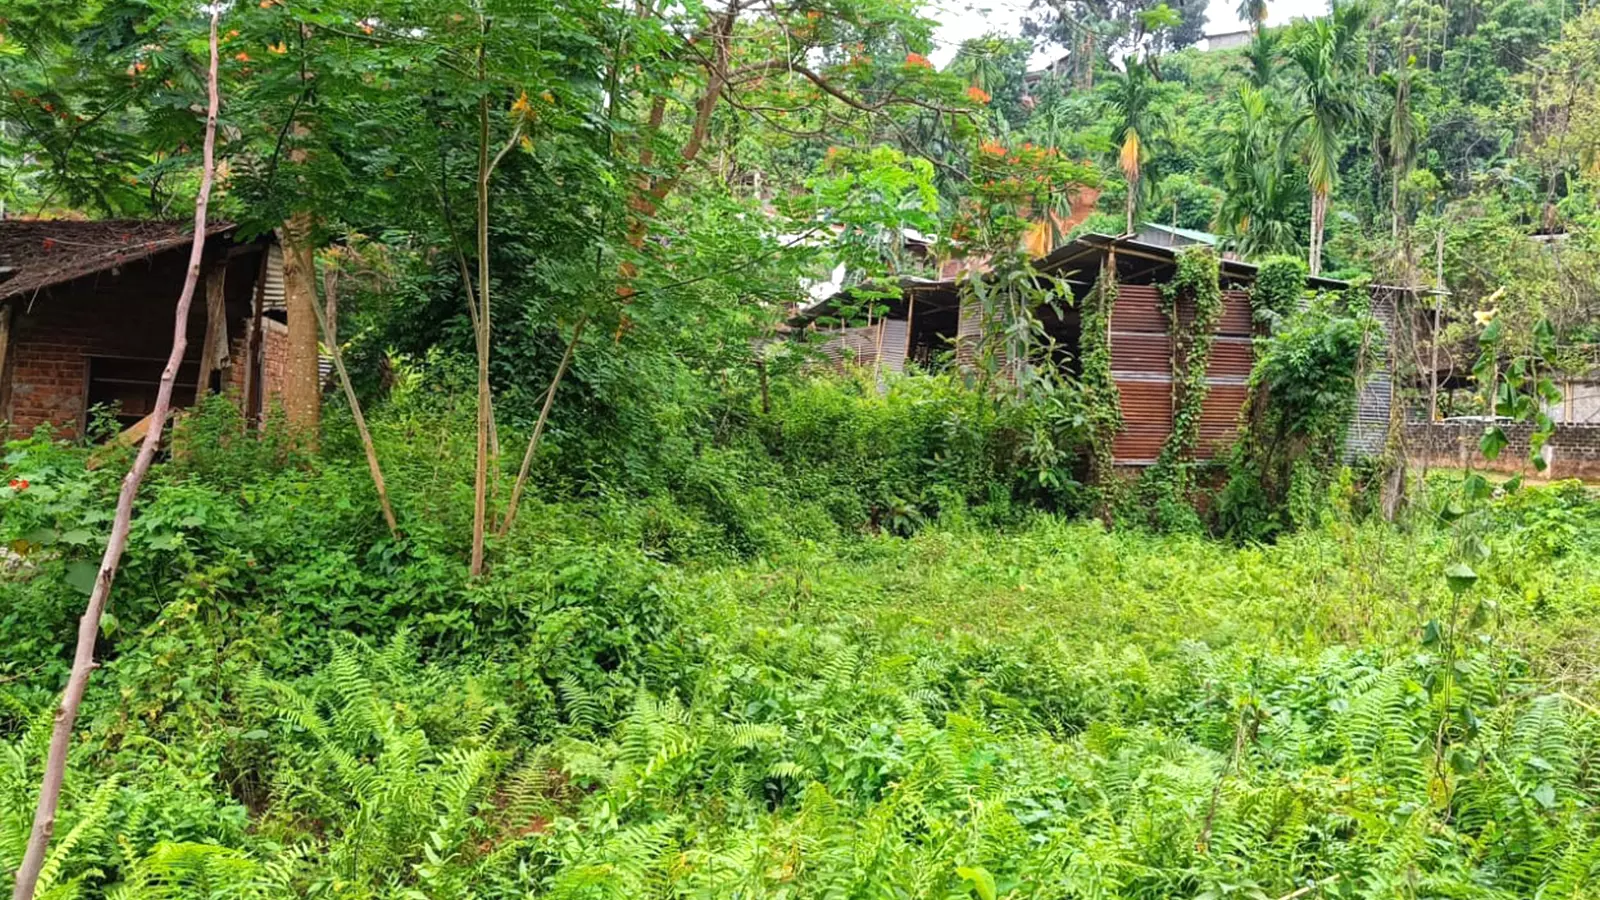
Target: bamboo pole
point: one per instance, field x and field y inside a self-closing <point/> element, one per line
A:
<point x="480" y="477"/>
<point x="83" y="664"/>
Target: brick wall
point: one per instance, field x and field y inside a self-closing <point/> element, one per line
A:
<point x="1574" y="451"/>
<point x="274" y="362"/>
<point x="124" y="313"/>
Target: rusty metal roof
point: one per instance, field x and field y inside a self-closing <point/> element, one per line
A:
<point x="1060" y="260"/>
<point x="1094" y="243"/>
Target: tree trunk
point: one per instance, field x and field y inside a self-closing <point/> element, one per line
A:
<point x="1319" y="215"/>
<point x="1133" y="185"/>
<point x="302" y="382"/>
<point x="480" y="477"/>
<point x="252" y="356"/>
<point x="538" y="428"/>
<point x="330" y="306"/>
<point x="83" y="664"/>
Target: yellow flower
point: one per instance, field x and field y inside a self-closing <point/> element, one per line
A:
<point x="1484" y="317"/>
<point x="527" y="142"/>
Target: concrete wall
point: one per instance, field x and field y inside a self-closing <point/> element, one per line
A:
<point x="1574" y="451"/>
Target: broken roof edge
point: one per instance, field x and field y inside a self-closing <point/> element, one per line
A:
<point x="102" y="258"/>
<point x="1229" y="266"/>
<point x="1058" y="259"/>
<point x="907" y="284"/>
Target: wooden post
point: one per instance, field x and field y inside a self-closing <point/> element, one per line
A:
<point x="355" y="412"/>
<point x="544" y="419"/>
<point x="5" y="358"/>
<point x="216" y="328"/>
<point x="252" y="353"/>
<point x="911" y="319"/>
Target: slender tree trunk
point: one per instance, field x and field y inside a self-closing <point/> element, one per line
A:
<point x="538" y="428"/>
<point x="1319" y="214"/>
<point x="480" y="478"/>
<point x="1133" y="185"/>
<point x="324" y="320"/>
<point x="1394" y="204"/>
<point x="1433" y="354"/>
<point x="83" y="664"/>
<point x="330" y="305"/>
<point x="252" y="343"/>
<point x="302" y="382"/>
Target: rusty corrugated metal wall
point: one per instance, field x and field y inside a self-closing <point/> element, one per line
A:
<point x="1141" y="364"/>
<point x="883" y="342"/>
<point x="1369" y="431"/>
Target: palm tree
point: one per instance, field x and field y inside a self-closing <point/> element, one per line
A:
<point x="1262" y="60"/>
<point x="1253" y="12"/>
<point x="1261" y="195"/>
<point x="1130" y="95"/>
<point x="1331" y="95"/>
<point x="1403" y="133"/>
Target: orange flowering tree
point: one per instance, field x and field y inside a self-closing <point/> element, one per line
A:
<point x="1013" y="186"/>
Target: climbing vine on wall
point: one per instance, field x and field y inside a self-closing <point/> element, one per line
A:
<point x="1280" y="285"/>
<point x="1194" y="288"/>
<point x="1192" y="304"/>
<point x="1100" y="392"/>
<point x="1303" y="392"/>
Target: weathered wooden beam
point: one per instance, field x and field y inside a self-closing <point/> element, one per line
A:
<point x="5" y="359"/>
<point x="214" y="349"/>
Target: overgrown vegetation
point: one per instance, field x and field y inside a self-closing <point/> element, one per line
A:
<point x="1302" y="398"/>
<point x="749" y="684"/>
<point x="761" y="630"/>
<point x="1192" y="304"/>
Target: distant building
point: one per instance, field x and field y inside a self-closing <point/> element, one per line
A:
<point x="1579" y="403"/>
<point x="931" y="316"/>
<point x="1227" y="40"/>
<point x="1169" y="236"/>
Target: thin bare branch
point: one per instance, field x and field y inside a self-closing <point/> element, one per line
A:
<point x="83" y="664"/>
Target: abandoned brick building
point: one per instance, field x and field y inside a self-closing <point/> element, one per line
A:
<point x="86" y="319"/>
<point x="929" y="317"/>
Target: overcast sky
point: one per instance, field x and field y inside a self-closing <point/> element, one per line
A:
<point x="963" y="19"/>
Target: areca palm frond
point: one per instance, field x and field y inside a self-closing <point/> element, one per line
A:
<point x="1132" y="150"/>
<point x="1262" y="197"/>
<point x="1253" y="12"/>
<point x="1261" y="59"/>
<point x="1327" y="55"/>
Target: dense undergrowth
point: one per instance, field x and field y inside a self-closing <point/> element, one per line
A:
<point x="827" y="655"/>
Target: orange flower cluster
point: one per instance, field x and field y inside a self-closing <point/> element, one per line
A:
<point x="994" y="147"/>
<point x="918" y="60"/>
<point x="977" y="94"/>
